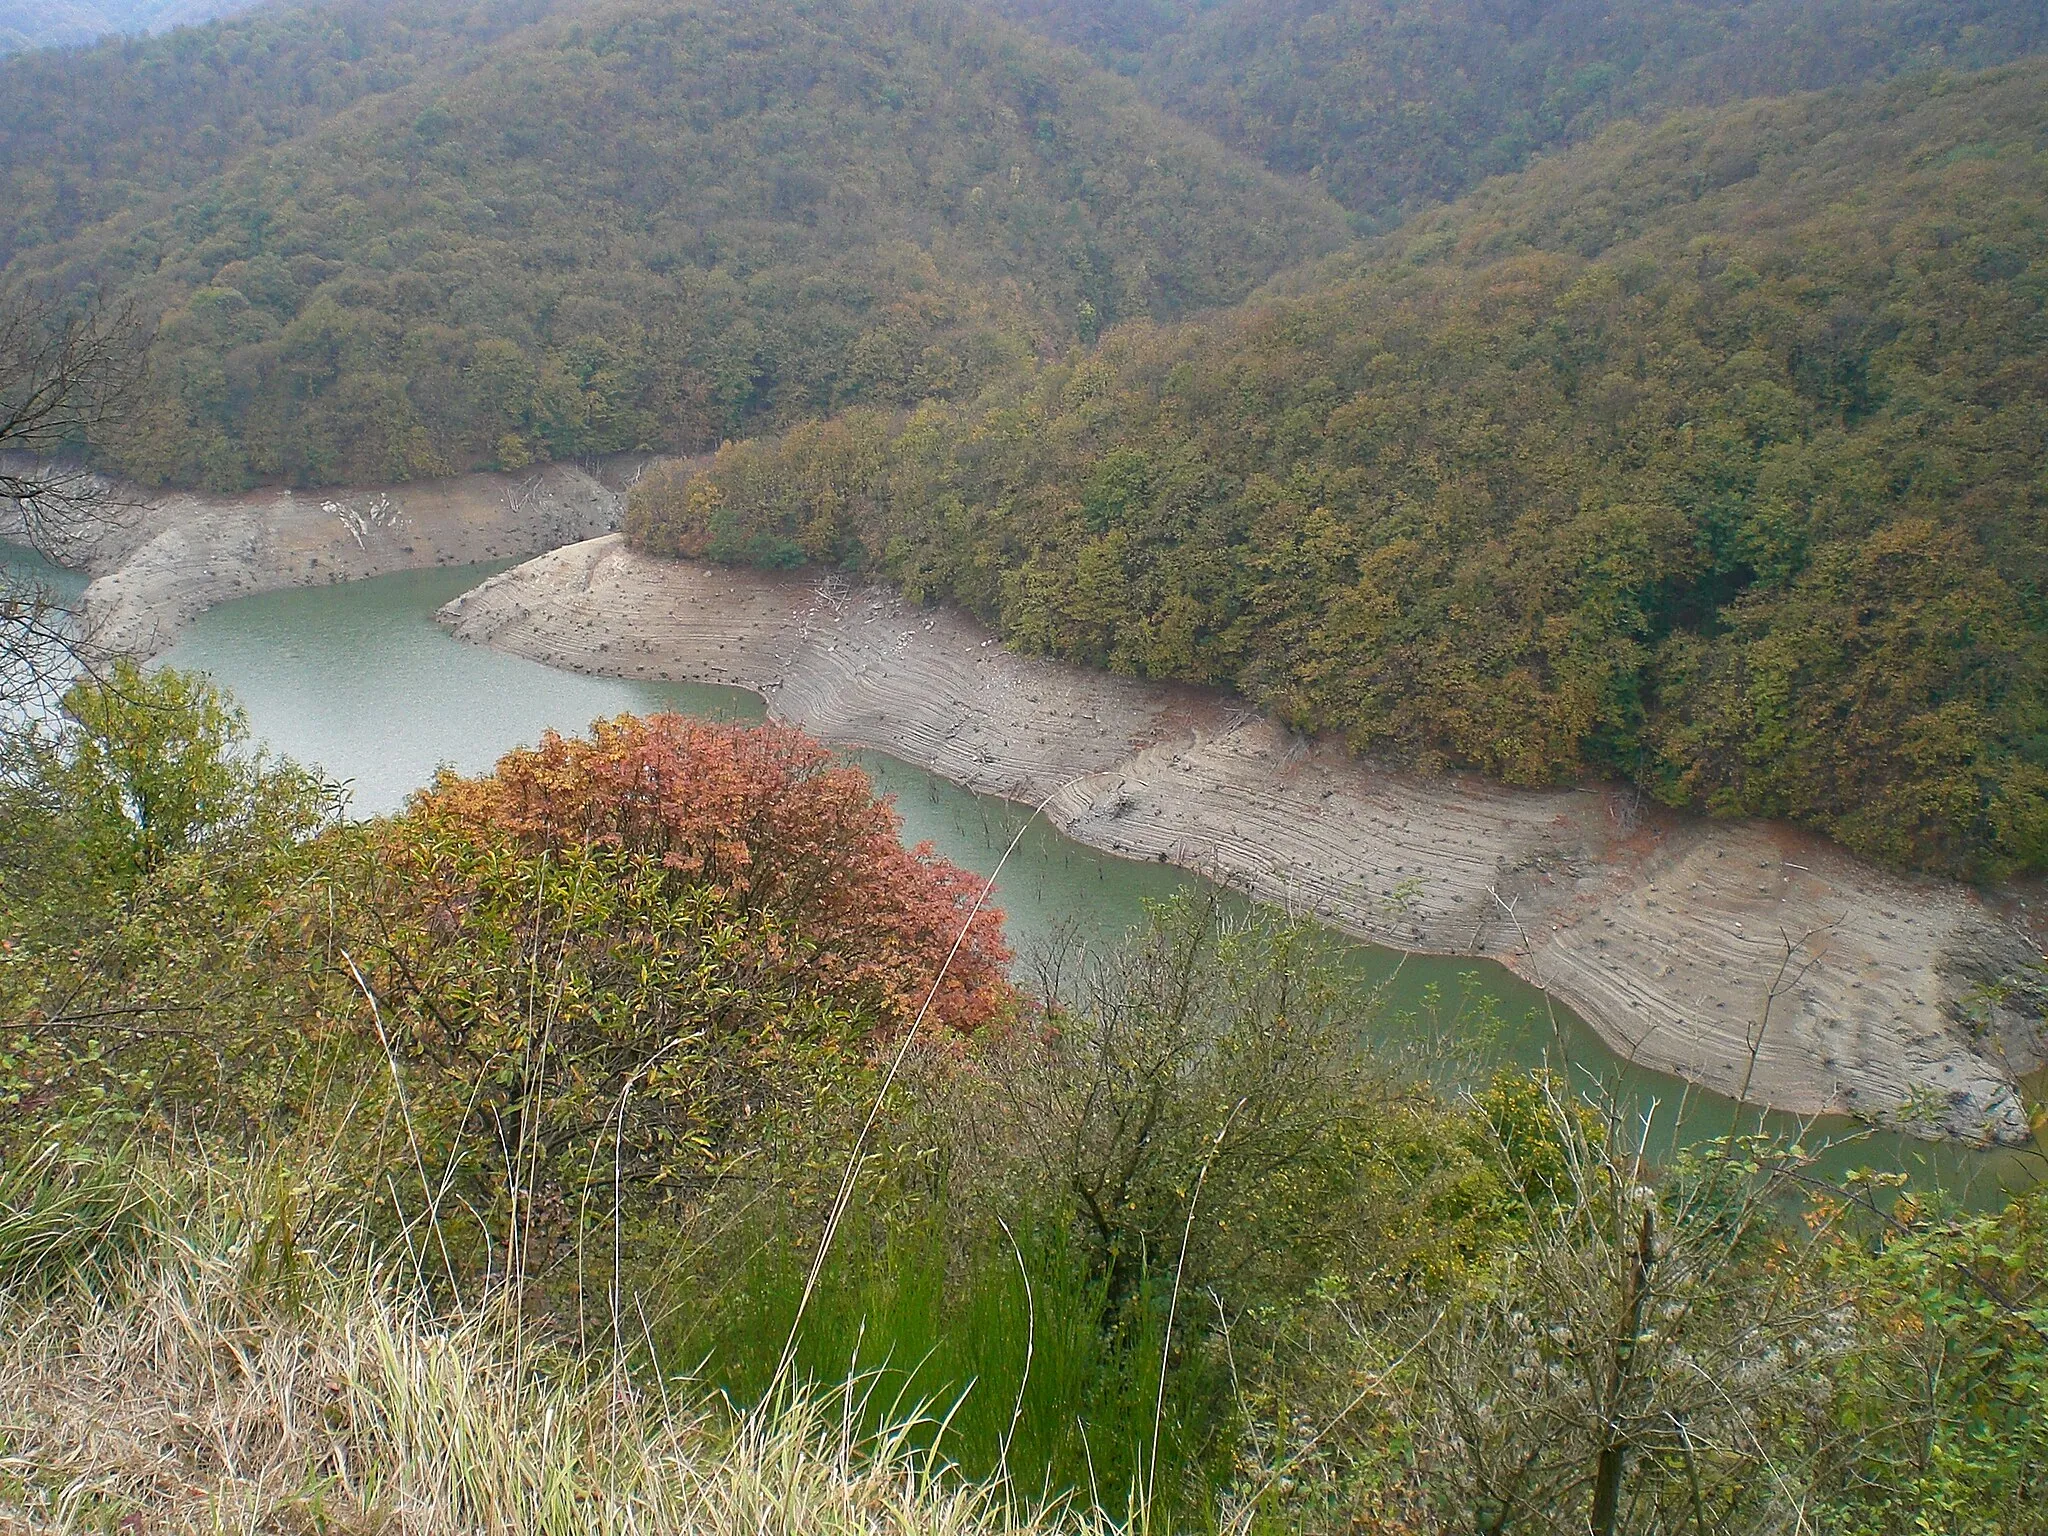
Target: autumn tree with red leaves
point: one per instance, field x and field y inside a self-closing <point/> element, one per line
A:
<point x="765" y="817"/>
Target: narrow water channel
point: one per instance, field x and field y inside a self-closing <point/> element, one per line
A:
<point x="359" y="680"/>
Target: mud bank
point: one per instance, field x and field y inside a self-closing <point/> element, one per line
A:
<point x="1689" y="945"/>
<point x="174" y="558"/>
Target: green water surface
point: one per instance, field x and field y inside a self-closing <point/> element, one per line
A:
<point x="358" y="679"/>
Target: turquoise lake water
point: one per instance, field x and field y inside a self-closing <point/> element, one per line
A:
<point x="358" y="679"/>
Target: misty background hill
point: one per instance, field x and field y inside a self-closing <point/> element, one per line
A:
<point x="67" y="23"/>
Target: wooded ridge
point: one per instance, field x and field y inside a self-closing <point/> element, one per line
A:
<point x="1708" y="455"/>
<point x="621" y="227"/>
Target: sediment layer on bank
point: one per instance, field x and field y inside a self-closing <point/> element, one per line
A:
<point x="172" y="559"/>
<point x="1732" y="954"/>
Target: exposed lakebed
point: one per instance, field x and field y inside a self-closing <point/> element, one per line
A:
<point x="358" y="678"/>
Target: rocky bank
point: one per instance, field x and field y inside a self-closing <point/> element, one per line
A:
<point x="170" y="560"/>
<point x="1743" y="956"/>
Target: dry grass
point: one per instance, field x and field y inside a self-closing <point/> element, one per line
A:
<point x="214" y="1380"/>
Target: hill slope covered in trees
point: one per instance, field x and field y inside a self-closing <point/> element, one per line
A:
<point x="549" y="227"/>
<point x="130" y="124"/>
<point x="634" y="226"/>
<point x="1709" y="455"/>
<point x="1394" y="104"/>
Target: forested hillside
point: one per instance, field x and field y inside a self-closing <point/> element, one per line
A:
<point x="1710" y="455"/>
<point x="388" y="239"/>
<point x="640" y="226"/>
<point x="123" y="127"/>
<point x="1393" y="104"/>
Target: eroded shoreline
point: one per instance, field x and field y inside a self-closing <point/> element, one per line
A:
<point x="1688" y="944"/>
<point x="173" y="559"/>
<point x="1675" y="938"/>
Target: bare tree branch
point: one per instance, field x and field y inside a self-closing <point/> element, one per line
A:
<point x="68" y="370"/>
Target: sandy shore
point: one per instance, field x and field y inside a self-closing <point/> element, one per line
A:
<point x="175" y="558"/>
<point x="1684" y="942"/>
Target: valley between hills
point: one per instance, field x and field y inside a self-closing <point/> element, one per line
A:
<point x="1681" y="940"/>
<point x="1024" y="767"/>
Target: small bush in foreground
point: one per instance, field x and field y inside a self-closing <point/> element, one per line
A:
<point x="766" y="816"/>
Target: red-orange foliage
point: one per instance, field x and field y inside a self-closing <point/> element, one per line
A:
<point x="763" y="815"/>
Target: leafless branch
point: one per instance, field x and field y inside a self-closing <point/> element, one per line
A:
<point x="68" y="370"/>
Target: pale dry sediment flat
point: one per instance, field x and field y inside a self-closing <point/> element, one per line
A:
<point x="1684" y="942"/>
<point x="178" y="556"/>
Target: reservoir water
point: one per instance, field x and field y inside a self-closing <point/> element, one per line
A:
<point x="358" y="679"/>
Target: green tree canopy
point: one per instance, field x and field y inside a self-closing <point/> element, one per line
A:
<point x="633" y="226"/>
<point x="1395" y="104"/>
<point x="1710" y="454"/>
